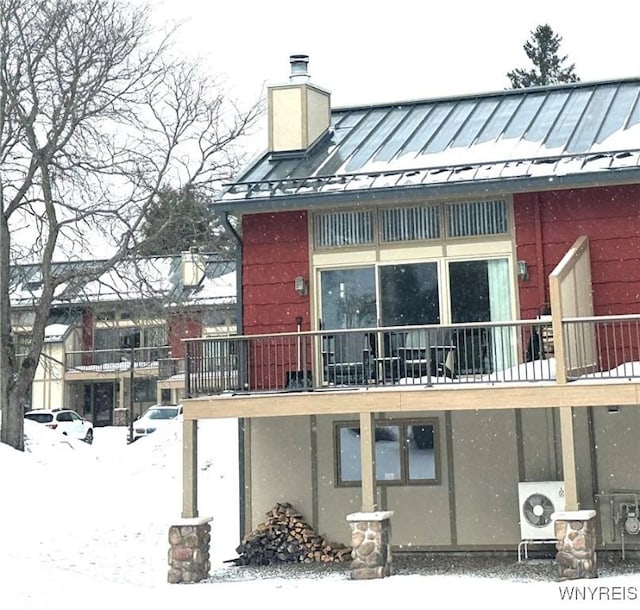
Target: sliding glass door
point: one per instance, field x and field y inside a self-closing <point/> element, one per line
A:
<point x="348" y="301"/>
<point x="479" y="291"/>
<point x="410" y="294"/>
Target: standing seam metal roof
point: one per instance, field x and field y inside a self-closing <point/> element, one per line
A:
<point x="566" y="130"/>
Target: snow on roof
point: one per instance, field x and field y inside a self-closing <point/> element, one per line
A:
<point x="55" y="332"/>
<point x="540" y="133"/>
<point x="220" y="289"/>
<point x="131" y="280"/>
<point x="146" y="278"/>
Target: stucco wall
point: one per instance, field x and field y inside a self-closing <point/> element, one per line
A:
<point x="482" y="456"/>
<point x="485" y="466"/>
<point x="617" y="447"/>
<point x="280" y="460"/>
<point x="541" y="450"/>
<point x="47" y="390"/>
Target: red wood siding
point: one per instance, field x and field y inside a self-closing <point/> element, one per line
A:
<point x="548" y="223"/>
<point x="275" y="252"/>
<point x="88" y="321"/>
<point x="183" y="326"/>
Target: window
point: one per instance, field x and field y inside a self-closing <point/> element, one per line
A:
<point x="349" y="228"/>
<point x="406" y="452"/>
<point x="410" y="294"/>
<point x="154" y="336"/>
<point x="22" y="343"/>
<point x="411" y="224"/>
<point x="477" y="218"/>
<point x="145" y="390"/>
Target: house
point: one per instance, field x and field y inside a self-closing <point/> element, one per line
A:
<point x="440" y="307"/>
<point x="113" y="342"/>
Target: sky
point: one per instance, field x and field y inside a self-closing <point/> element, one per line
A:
<point x="366" y="52"/>
<point x="86" y="527"/>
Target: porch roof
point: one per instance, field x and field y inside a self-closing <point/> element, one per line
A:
<point x="524" y="139"/>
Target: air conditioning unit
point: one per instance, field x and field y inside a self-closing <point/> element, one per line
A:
<point x="538" y="500"/>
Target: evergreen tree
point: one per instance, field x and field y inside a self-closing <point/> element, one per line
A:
<point x="179" y="219"/>
<point x="549" y="69"/>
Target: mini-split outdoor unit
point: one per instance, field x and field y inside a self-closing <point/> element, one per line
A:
<point x="538" y="500"/>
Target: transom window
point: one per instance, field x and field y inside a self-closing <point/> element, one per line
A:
<point x="477" y="218"/>
<point x="410" y="223"/>
<point x="406" y="452"/>
<point x="337" y="229"/>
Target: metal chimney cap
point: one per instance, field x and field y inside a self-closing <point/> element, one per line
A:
<point x="299" y="65"/>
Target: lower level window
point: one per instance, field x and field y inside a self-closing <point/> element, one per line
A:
<point x="406" y="452"/>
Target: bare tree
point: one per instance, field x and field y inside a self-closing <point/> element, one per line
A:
<point x="95" y="115"/>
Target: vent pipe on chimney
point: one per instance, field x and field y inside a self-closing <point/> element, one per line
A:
<point x="299" y="73"/>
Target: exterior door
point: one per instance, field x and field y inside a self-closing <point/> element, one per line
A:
<point x="103" y="404"/>
<point x="409" y="294"/>
<point x="348" y="302"/>
<point x="479" y="291"/>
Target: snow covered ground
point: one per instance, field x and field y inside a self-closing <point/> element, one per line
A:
<point x="86" y="527"/>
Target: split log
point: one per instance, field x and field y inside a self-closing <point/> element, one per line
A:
<point x="285" y="537"/>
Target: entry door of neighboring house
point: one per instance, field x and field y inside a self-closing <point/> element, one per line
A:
<point x="103" y="402"/>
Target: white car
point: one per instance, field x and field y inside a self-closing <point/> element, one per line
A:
<point x="63" y="420"/>
<point x="153" y="418"/>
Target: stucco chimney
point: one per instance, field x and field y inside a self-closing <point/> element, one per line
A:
<point x="193" y="267"/>
<point x="299" y="112"/>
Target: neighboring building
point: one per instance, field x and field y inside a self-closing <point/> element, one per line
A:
<point x="449" y="286"/>
<point x="122" y="330"/>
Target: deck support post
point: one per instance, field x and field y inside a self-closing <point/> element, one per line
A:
<point x="189" y="468"/>
<point x="576" y="534"/>
<point x="568" y="458"/>
<point x="371" y="544"/>
<point x="368" y="462"/>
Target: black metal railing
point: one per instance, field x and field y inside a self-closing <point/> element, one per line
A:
<point x="492" y="352"/>
<point x="113" y="359"/>
<point x="603" y="347"/>
<point x="170" y="367"/>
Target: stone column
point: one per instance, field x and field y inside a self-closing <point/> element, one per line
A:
<point x="189" y="550"/>
<point x="370" y="539"/>
<point x="576" y="534"/>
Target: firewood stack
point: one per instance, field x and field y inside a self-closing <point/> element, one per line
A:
<point x="285" y="537"/>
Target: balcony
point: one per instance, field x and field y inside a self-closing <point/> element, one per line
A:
<point x="114" y="360"/>
<point x="491" y="354"/>
<point x="170" y="368"/>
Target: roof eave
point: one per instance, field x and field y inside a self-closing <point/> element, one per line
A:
<point x="423" y="192"/>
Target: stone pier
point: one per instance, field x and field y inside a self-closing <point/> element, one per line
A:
<point x="189" y="550"/>
<point x="576" y="535"/>
<point x="371" y="543"/>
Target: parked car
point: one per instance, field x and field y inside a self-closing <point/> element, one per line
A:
<point x="63" y="420"/>
<point x="153" y="418"/>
